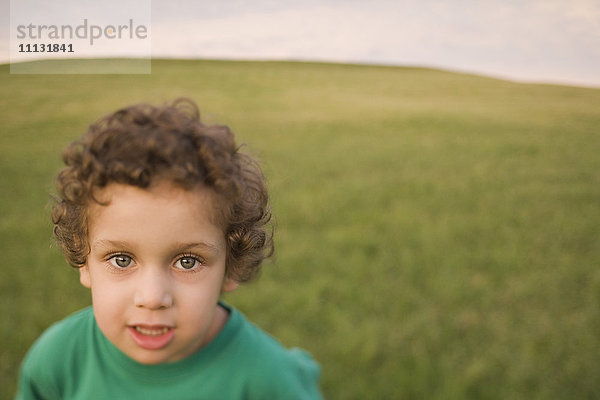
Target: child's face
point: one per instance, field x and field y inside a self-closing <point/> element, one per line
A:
<point x="156" y="269"/>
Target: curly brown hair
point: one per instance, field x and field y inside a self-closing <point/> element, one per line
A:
<point x="138" y="145"/>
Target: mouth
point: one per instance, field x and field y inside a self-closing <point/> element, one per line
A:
<point x="151" y="337"/>
<point x="151" y="331"/>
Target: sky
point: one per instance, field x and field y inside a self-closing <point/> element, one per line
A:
<point x="554" y="41"/>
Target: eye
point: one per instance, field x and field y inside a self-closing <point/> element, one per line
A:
<point x="187" y="262"/>
<point x="120" y="261"/>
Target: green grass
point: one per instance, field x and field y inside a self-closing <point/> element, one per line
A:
<point x="437" y="234"/>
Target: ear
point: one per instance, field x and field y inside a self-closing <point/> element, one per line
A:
<point x="84" y="276"/>
<point x="229" y="285"/>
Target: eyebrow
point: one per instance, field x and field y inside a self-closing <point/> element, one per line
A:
<point x="194" y="245"/>
<point x="177" y="247"/>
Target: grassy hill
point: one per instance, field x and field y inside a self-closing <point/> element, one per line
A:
<point x="437" y="234"/>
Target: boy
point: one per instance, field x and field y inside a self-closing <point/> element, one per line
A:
<point x="161" y="214"/>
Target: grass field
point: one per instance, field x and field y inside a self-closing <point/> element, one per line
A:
<point x="437" y="234"/>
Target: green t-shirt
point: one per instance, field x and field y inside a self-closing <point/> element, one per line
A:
<point x="74" y="360"/>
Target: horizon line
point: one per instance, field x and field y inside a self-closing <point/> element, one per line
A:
<point x="300" y="60"/>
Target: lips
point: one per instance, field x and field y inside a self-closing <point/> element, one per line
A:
<point x="151" y="337"/>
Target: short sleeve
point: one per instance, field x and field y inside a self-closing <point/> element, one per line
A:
<point x="293" y="377"/>
<point x="49" y="364"/>
<point x="34" y="380"/>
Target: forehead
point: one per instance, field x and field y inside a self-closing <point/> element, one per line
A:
<point x="162" y="198"/>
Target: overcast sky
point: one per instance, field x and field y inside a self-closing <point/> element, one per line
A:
<point x="531" y="40"/>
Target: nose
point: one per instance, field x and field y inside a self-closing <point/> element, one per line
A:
<point x="153" y="289"/>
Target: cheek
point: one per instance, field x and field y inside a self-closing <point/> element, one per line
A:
<point x="109" y="298"/>
<point x="110" y="309"/>
<point x="193" y="296"/>
<point x="197" y="299"/>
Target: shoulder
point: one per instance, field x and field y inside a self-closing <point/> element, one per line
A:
<point x="62" y="335"/>
<point x="273" y="371"/>
<point x="53" y="353"/>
